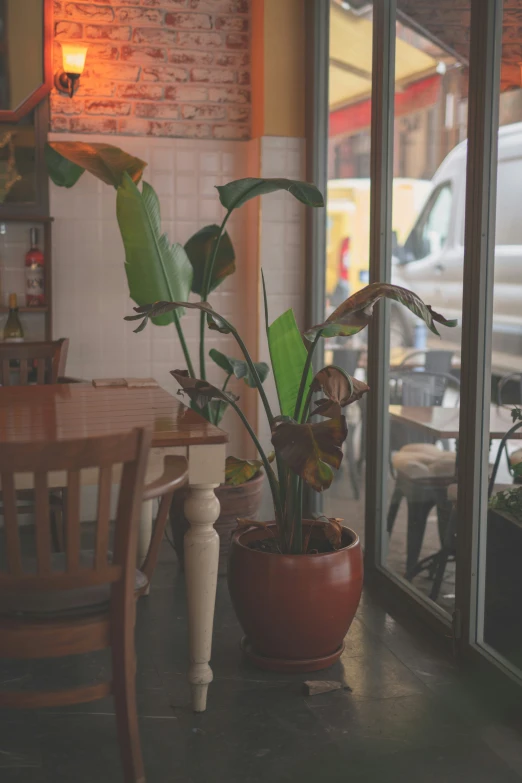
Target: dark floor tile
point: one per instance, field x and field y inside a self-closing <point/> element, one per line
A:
<point x="454" y="763"/>
<point x="19" y="741"/>
<point x="378" y="675"/>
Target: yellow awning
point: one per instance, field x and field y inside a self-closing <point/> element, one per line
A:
<point x="351" y="59"/>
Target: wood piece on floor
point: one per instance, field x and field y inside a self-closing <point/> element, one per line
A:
<point x="314" y="687"/>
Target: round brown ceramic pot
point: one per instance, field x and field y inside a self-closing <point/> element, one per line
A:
<point x="242" y="501"/>
<point x="294" y="609"/>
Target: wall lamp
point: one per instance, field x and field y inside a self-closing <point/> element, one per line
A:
<point x="73" y="64"/>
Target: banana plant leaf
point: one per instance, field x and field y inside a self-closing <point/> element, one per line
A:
<point x="288" y="356"/>
<point x="160" y="308"/>
<point x="311" y="450"/>
<point x="64" y="173"/>
<point x="199" y="249"/>
<point x="239" y="367"/>
<point x="339" y="388"/>
<point x="239" y="471"/>
<point x="237" y="193"/>
<point x="355" y="313"/>
<point x="155" y="269"/>
<point x="104" y="161"/>
<point x="200" y="392"/>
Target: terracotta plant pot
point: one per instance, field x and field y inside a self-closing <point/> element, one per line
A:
<point x="242" y="501"/>
<point x="294" y="609"/>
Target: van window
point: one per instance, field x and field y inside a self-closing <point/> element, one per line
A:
<point x="509" y="196"/>
<point x="431" y="231"/>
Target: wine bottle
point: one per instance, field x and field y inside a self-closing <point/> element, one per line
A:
<point x="34" y="273"/>
<point x="13" y="332"/>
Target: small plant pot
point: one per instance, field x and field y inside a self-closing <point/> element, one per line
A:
<point x="294" y="609"/>
<point x="243" y="501"/>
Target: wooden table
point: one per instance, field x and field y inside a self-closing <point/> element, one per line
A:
<point x="66" y="411"/>
<point x="443" y="423"/>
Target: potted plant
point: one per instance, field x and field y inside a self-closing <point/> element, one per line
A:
<point x="295" y="583"/>
<point x="156" y="270"/>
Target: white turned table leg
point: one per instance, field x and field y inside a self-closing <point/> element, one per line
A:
<point x="206" y="472"/>
<point x="201" y="570"/>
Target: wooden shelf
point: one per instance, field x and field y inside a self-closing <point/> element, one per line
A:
<point x="18" y="218"/>
<point x="4" y="309"/>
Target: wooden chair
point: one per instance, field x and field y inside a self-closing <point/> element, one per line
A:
<point x="36" y="362"/>
<point x="78" y="601"/>
<point x="39" y="363"/>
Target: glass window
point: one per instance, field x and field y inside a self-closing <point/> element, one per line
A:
<point x="509" y="194"/>
<point x="431" y="232"/>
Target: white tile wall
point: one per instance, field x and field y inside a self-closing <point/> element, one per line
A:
<point x="14" y="244"/>
<point x="90" y="287"/>
<point x="282" y="248"/>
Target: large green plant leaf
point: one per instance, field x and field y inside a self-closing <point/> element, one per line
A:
<point x="311" y="450"/>
<point x="237" y="193"/>
<point x="199" y="249"/>
<point x="63" y="172"/>
<point x="155" y="269"/>
<point x="104" y="161"/>
<point x="355" y="313"/>
<point x="288" y="355"/>
<point x="239" y="367"/>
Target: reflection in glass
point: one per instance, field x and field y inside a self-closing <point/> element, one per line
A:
<point x="21" y="51"/>
<point x="500" y="582"/>
<point x="18" y="162"/>
<point x="348" y="228"/>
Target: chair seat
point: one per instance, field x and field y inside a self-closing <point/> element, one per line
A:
<point x="423" y="460"/>
<point x="43" y="604"/>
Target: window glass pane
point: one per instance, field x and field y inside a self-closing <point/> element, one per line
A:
<point x="348" y="228"/>
<point x="417" y="531"/>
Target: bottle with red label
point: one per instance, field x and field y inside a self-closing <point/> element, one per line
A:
<point x="34" y="273"/>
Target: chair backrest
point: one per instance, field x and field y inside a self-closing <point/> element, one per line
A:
<point x="40" y="569"/>
<point x="434" y="361"/>
<point x="347" y="359"/>
<point x="424" y="389"/>
<point x="32" y="362"/>
<point x="509" y="389"/>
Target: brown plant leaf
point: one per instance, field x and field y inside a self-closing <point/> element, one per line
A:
<point x="200" y="392"/>
<point x="355" y="313"/>
<point x="214" y="320"/>
<point x="239" y="471"/>
<point x="340" y="389"/>
<point x="333" y="531"/>
<point x="311" y="450"/>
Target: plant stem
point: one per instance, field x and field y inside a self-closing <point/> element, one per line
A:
<point x="297" y="537"/>
<point x="304" y="377"/>
<point x="217" y="415"/>
<point x="306" y="406"/>
<point x="274" y="487"/>
<point x="181" y="336"/>
<point x="207" y="279"/>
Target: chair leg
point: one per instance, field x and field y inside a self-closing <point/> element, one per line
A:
<point x="124" y="693"/>
<point x="441" y="563"/>
<point x="58" y="527"/>
<point x="394" y="507"/>
<point x="418" y="512"/>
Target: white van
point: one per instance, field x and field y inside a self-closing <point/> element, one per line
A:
<point x="431" y="260"/>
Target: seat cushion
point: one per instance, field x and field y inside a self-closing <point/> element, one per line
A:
<point x="423" y="462"/>
<point x="516" y="457"/>
<point x="44" y="603"/>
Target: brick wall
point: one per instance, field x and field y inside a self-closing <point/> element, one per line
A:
<point x="157" y="68"/>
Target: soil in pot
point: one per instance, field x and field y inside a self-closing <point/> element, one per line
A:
<point x="242" y="501"/>
<point x="294" y="609"/>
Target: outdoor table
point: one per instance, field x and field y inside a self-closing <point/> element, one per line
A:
<point x="77" y="410"/>
<point x="443" y="423"/>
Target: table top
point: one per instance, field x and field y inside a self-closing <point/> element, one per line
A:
<point x="444" y="422"/>
<point x="76" y="410"/>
